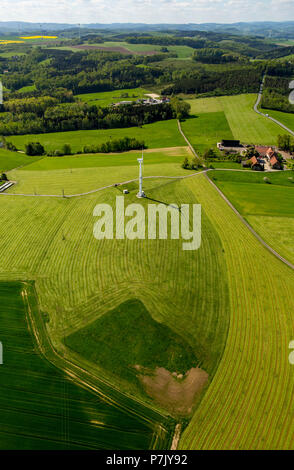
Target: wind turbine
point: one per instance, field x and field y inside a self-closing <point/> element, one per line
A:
<point x="141" y="192"/>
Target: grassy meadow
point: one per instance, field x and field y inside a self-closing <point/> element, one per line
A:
<point x="94" y="277"/>
<point x="284" y="118"/>
<point x="227" y="117"/>
<point x="269" y="208"/>
<point x="183" y="52"/>
<point x="41" y="407"/>
<point x="106" y="98"/>
<point x="151" y="157"/>
<point x="157" y="135"/>
<point x="207" y="306"/>
<point x="79" y="174"/>
<point x="249" y="403"/>
<point x="80" y="280"/>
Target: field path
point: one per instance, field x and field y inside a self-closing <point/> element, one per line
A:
<point x="97" y="385"/>
<point x="188" y="142"/>
<point x="237" y="212"/>
<point x="103" y="187"/>
<point x="249" y="226"/>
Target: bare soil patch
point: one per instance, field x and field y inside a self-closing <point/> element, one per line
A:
<point x="120" y="49"/>
<point x="176" y="392"/>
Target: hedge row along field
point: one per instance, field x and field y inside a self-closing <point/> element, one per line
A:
<point x="249" y="405"/>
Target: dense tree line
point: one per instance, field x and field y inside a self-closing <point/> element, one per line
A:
<point x="117" y="145"/>
<point x="215" y="56"/>
<point x="286" y="142"/>
<point x="277" y="53"/>
<point x="245" y="80"/>
<point x="80" y="72"/>
<point x="168" y="41"/>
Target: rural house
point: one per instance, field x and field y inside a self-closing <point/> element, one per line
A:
<point x="275" y="164"/>
<point x="256" y="164"/>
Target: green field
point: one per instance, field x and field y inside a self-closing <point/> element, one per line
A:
<point x="27" y="88"/>
<point x="229" y="165"/>
<point x="151" y="157"/>
<point x="41" y="407"/>
<point x="108" y="273"/>
<point x="201" y="296"/>
<point x="226" y="308"/>
<point x="183" y="52"/>
<point x="106" y="98"/>
<point x="115" y="341"/>
<point x="157" y="135"/>
<point x="226" y="117"/>
<point x="269" y="208"/>
<point x="205" y="130"/>
<point x="249" y="405"/>
<point x="284" y="118"/>
<point x="78" y="174"/>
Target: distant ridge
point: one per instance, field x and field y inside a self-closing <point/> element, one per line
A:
<point x="263" y="28"/>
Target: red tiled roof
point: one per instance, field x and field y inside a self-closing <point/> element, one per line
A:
<point x="254" y="160"/>
<point x="270" y="153"/>
<point x="261" y="150"/>
<point x="274" y="160"/>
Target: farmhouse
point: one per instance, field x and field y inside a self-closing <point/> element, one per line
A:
<point x="267" y="152"/>
<point x="230" y="143"/>
<point x="256" y="164"/>
<point x="261" y="150"/>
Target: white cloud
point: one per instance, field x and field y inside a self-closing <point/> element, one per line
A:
<point x="145" y="11"/>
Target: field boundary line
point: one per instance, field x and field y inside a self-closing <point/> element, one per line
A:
<point x="259" y="238"/>
<point x="188" y="142"/>
<point x="113" y="185"/>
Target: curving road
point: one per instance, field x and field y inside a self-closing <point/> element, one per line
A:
<point x="259" y="97"/>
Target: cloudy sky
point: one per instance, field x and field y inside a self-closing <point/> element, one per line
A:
<point x="146" y="11"/>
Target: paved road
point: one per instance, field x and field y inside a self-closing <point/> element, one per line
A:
<point x="266" y="116"/>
